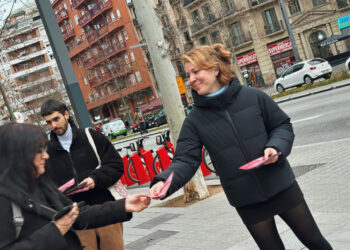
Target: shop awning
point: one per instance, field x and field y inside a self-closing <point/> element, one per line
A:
<point x="153" y="105"/>
<point x="334" y="39"/>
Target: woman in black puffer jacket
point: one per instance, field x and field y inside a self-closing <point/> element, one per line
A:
<point x="237" y="125"/>
<point x="23" y="184"/>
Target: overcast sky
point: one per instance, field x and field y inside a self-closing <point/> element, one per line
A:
<point x="5" y="7"/>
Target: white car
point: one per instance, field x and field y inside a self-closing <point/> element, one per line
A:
<point x="114" y="128"/>
<point x="303" y="73"/>
<point x="347" y="64"/>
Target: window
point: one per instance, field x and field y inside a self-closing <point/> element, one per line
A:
<point x="118" y="13"/>
<point x="298" y="67"/>
<point x="165" y="20"/>
<point x="215" y="37"/>
<point x="180" y="69"/>
<point x="195" y="16"/>
<point x="132" y="79"/>
<point x="343" y="3"/>
<point x="8" y="71"/>
<point x="237" y="34"/>
<point x="126" y="58"/>
<point x="85" y="80"/>
<point x="187" y="36"/>
<point x="125" y="35"/>
<point x="132" y="56"/>
<point x="94" y="51"/>
<point x="112" y="17"/>
<point x="102" y="92"/>
<point x="102" y="70"/>
<point x="109" y="90"/>
<point x="207" y="13"/>
<point x="78" y="63"/>
<point x="120" y="38"/>
<point x="4" y="59"/>
<point x="203" y="40"/>
<point x="318" y="2"/>
<point x="270" y="20"/>
<point x="138" y="76"/>
<point x="91" y="98"/>
<point x="64" y="5"/>
<point x="228" y="5"/>
<point x="76" y="19"/>
<point x="294" y="7"/>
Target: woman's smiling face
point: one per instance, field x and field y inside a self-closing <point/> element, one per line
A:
<point x="201" y="80"/>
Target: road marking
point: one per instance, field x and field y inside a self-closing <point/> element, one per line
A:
<point x="306" y="119"/>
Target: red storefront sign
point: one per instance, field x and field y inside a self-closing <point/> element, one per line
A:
<point x="279" y="47"/>
<point x="246" y="59"/>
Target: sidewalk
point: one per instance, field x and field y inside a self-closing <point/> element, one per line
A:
<point x="323" y="172"/>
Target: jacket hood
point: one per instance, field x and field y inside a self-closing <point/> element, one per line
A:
<point x="221" y="100"/>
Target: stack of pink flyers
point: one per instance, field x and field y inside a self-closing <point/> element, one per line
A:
<point x="257" y="162"/>
<point x="69" y="188"/>
<point x="165" y="188"/>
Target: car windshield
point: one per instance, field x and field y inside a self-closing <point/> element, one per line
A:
<point x="316" y="61"/>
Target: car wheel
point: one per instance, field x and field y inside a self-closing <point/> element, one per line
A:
<point x="280" y="88"/>
<point x="307" y="79"/>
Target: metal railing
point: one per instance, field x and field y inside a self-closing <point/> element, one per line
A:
<point x="241" y="39"/>
<point x="200" y="24"/>
<point x="118" y="71"/>
<point x="95" y="11"/>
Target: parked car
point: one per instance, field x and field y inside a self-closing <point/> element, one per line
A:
<point x="303" y="73"/>
<point x="347" y="64"/>
<point x="114" y="128"/>
<point x="160" y="118"/>
<point x="149" y="119"/>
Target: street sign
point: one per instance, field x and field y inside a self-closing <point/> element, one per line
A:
<point x="181" y="85"/>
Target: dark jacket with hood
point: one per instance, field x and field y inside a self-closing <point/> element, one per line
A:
<point x="235" y="127"/>
<point x="81" y="162"/>
<point x="38" y="206"/>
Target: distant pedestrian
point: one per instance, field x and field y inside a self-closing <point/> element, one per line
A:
<point x="138" y="117"/>
<point x="237" y="124"/>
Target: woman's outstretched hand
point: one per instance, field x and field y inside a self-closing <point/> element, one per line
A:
<point x="65" y="222"/>
<point x="137" y="202"/>
<point x="269" y="152"/>
<point x="155" y="190"/>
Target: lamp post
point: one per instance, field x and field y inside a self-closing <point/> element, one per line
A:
<point x="289" y="30"/>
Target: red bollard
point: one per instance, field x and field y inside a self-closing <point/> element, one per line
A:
<point x="205" y="171"/>
<point x="139" y="169"/>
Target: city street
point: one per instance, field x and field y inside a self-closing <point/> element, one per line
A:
<point x="319" y="158"/>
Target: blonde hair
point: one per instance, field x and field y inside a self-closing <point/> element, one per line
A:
<point x="216" y="56"/>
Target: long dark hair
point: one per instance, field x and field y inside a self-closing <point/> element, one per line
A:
<point x="18" y="146"/>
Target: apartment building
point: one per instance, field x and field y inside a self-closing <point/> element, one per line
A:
<point x="255" y="31"/>
<point x="103" y="47"/>
<point x="28" y="69"/>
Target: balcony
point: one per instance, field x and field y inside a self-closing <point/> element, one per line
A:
<point x="91" y="14"/>
<point x="78" y="48"/>
<point x="66" y="34"/>
<point x="39" y="68"/>
<point x="61" y="15"/>
<point x="100" y="33"/>
<point x="19" y="44"/>
<point x="114" y="73"/>
<point x="35" y="81"/>
<point x="241" y="40"/>
<point x="343" y="4"/>
<point x="104" y="54"/>
<point x="24" y="56"/>
<point x="77" y="3"/>
<point x="273" y="28"/>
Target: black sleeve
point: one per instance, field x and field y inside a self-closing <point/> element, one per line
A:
<point x="278" y="125"/>
<point x="112" y="167"/>
<point x="186" y="160"/>
<point x="46" y="237"/>
<point x="101" y="215"/>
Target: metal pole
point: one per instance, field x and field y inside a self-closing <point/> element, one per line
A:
<point x="289" y="30"/>
<point x="64" y="63"/>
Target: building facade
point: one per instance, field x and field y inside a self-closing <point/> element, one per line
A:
<point x="29" y="71"/>
<point x="110" y="67"/>
<point x="256" y="33"/>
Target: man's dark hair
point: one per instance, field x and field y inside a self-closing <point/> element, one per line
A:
<point x="51" y="106"/>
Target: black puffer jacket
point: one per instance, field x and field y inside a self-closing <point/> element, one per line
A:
<point x="38" y="207"/>
<point x="235" y="127"/>
<point x="81" y="163"/>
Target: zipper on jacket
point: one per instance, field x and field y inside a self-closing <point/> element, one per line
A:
<point x="73" y="167"/>
<point x="243" y="148"/>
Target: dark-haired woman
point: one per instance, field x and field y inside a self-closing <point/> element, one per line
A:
<point x="29" y="201"/>
<point x="236" y="125"/>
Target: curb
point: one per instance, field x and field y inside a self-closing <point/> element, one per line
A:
<point x="312" y="92"/>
